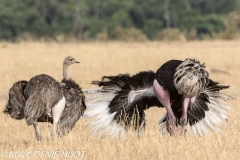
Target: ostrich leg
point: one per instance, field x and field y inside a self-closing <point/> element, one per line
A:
<point x="37" y="130"/>
<point x="57" y="111"/>
<point x="164" y="98"/>
<point x="185" y="104"/>
<point x="183" y="119"/>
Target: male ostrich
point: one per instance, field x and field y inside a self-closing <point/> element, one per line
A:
<point x="43" y="99"/>
<point x="191" y="99"/>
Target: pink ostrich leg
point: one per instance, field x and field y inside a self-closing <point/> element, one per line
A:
<point x="185" y="103"/>
<point x="183" y="119"/>
<point x="164" y="98"/>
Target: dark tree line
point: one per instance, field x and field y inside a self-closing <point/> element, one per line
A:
<point x="117" y="19"/>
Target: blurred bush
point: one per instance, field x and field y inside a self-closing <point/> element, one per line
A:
<point x="232" y="26"/>
<point x="172" y="34"/>
<point x="128" y="34"/>
<point x="128" y="20"/>
<point x="190" y="34"/>
<point x="151" y="27"/>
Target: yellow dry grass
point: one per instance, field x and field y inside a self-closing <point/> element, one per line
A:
<point x="24" y="60"/>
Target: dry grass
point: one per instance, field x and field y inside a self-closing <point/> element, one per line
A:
<point x="24" y="60"/>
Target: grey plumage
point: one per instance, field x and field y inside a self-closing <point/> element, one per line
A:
<point x="16" y="101"/>
<point x="42" y="92"/>
<point x="75" y="105"/>
<point x="43" y="99"/>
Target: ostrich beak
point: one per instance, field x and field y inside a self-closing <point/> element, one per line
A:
<point x="77" y="62"/>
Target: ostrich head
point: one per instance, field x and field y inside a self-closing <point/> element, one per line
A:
<point x="69" y="61"/>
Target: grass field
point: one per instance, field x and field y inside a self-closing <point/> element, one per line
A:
<point x="24" y="60"/>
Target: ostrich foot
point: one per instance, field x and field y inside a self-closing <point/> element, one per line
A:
<point x="173" y="129"/>
<point x="179" y="131"/>
<point x="38" y="137"/>
<point x="183" y="122"/>
<point x="171" y="125"/>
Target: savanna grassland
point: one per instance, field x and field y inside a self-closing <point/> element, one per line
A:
<point x="22" y="61"/>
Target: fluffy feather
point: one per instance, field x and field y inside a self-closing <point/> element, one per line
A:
<point x="75" y="105"/>
<point x="190" y="78"/>
<point x="42" y="92"/>
<point x="205" y="112"/>
<point x="16" y="101"/>
<point x="109" y="105"/>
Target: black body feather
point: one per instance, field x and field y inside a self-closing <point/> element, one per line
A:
<point x="165" y="77"/>
<point x="133" y="113"/>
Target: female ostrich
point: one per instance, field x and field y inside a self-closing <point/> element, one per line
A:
<point x="191" y="99"/>
<point x="43" y="99"/>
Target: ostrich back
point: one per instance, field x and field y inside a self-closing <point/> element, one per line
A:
<point x="42" y="92"/>
<point x="186" y="78"/>
<point x="165" y="77"/>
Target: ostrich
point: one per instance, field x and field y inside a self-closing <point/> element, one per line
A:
<point x="43" y="99"/>
<point x="191" y="99"/>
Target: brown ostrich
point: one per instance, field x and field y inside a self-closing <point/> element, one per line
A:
<point x="43" y="99"/>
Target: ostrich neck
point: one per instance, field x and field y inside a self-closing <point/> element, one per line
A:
<point x="65" y="67"/>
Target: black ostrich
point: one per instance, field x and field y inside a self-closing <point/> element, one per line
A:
<point x="183" y="88"/>
<point x="43" y="99"/>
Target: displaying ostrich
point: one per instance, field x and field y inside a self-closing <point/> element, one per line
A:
<point x="43" y="99"/>
<point x="183" y="88"/>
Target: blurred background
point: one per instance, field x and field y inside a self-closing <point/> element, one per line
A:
<point x="125" y="20"/>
